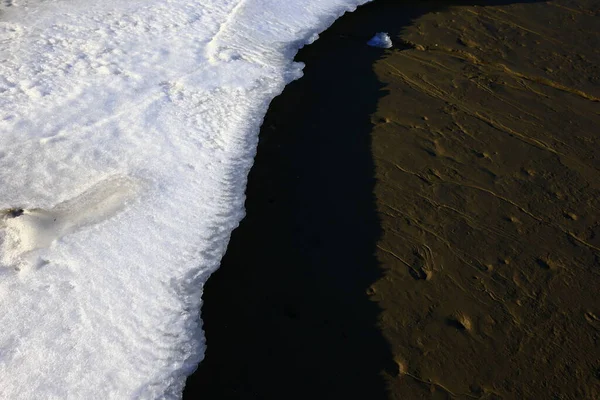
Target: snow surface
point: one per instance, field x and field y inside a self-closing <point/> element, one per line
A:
<point x="382" y="40"/>
<point x="127" y="129"/>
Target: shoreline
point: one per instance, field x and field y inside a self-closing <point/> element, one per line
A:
<point x="293" y="282"/>
<point x="425" y="227"/>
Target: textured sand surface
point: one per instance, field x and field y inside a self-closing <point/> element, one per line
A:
<point x="486" y="154"/>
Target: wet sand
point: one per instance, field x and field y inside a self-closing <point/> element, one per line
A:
<point x="422" y="222"/>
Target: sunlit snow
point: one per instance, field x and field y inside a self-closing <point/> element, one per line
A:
<point x="127" y="129"/>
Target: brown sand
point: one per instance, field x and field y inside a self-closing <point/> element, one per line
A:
<point x="423" y="222"/>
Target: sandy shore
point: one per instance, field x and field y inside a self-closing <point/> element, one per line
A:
<point x="423" y="222"/>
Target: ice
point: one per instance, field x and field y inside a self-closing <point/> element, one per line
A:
<point x="381" y="40"/>
<point x="37" y="228"/>
<point x="127" y="130"/>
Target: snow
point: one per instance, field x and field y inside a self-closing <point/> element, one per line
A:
<point x="381" y="40"/>
<point x="127" y="130"/>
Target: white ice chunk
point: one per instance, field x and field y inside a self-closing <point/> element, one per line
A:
<point x="382" y="40"/>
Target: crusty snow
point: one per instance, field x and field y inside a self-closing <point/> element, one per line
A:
<point x="127" y="129"/>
